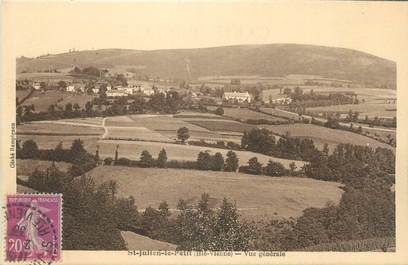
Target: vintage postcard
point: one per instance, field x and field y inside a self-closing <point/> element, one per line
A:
<point x="209" y="132"/>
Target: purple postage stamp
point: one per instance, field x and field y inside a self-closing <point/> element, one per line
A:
<point x="34" y="227"/>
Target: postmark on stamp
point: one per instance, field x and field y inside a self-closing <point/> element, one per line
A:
<point x="34" y="223"/>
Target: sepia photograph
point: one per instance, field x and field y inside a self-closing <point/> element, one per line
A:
<point x="173" y="136"/>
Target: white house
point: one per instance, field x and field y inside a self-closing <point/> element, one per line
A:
<point x="148" y="91"/>
<point x="70" y="88"/>
<point x="108" y="87"/>
<point x="282" y="101"/>
<point x="116" y="93"/>
<point x="95" y="90"/>
<point x="237" y="96"/>
<point x="37" y="86"/>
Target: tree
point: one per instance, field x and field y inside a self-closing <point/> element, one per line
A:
<point x="292" y="167"/>
<point x="62" y="84"/>
<point x="162" y="159"/>
<point x="204" y="161"/>
<point x="76" y="107"/>
<point x="30" y="149"/>
<point x="217" y="162"/>
<point x="183" y="134"/>
<point x="254" y="166"/>
<point x="274" y="169"/>
<point x="219" y="111"/>
<point x="88" y="107"/>
<point x="146" y="159"/>
<point x="231" y="163"/>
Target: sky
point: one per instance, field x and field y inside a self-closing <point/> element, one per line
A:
<point x="41" y="28"/>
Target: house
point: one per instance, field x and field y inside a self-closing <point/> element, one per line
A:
<point x="131" y="90"/>
<point x="108" y="87"/>
<point x="95" y="90"/>
<point x="37" y="86"/>
<point x="116" y="93"/>
<point x="148" y="91"/>
<point x="70" y="88"/>
<point x="237" y="96"/>
<point x="281" y="101"/>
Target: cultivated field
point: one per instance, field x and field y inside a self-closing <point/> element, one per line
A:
<point x="135" y="133"/>
<point x="372" y="110"/>
<point x="42" y="100"/>
<point x="247" y="114"/>
<point x="281" y="113"/>
<point x="321" y="135"/>
<point x="223" y="125"/>
<point x="25" y="167"/>
<point x="55" y="128"/>
<point x="133" y="149"/>
<point x="255" y="196"/>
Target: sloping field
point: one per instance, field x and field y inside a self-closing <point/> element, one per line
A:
<point x="54" y="128"/>
<point x="247" y="114"/>
<point x="255" y="196"/>
<point x="278" y="112"/>
<point x="51" y="141"/>
<point x="42" y="100"/>
<point x="92" y="121"/>
<point x="135" y="133"/>
<point x="372" y="110"/>
<point x="133" y="149"/>
<point x="81" y="100"/>
<point x="165" y="125"/>
<point x="25" y="167"/>
<point x="138" y="242"/>
<point x="223" y="125"/>
<point x="321" y="135"/>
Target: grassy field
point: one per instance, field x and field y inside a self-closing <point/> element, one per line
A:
<point x="138" y="242"/>
<point x="133" y="149"/>
<point x="372" y="110"/>
<point x="247" y="114"/>
<point x="55" y="128"/>
<point x="278" y="112"/>
<point x="51" y="141"/>
<point x="92" y="121"/>
<point x="135" y="133"/>
<point x="42" y="100"/>
<point x="321" y="135"/>
<point x="27" y="166"/>
<point x="255" y="196"/>
<point x="223" y="125"/>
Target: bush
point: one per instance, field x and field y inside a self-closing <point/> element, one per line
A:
<point x="274" y="169"/>
<point x="146" y="159"/>
<point x="108" y="161"/>
<point x="219" y="111"/>
<point x="231" y="163"/>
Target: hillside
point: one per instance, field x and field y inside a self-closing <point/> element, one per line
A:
<point x="262" y="60"/>
<point x="256" y="196"/>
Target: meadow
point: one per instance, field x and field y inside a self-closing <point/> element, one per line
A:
<point x="53" y="128"/>
<point x="133" y="149"/>
<point x="321" y="135"/>
<point x="247" y="114"/>
<point x="25" y="167"/>
<point x="42" y="100"/>
<point x="256" y="196"/>
<point x="371" y="109"/>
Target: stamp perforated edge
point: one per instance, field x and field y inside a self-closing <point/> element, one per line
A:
<point x="38" y="194"/>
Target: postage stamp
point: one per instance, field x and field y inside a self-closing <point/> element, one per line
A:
<point x="34" y="224"/>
